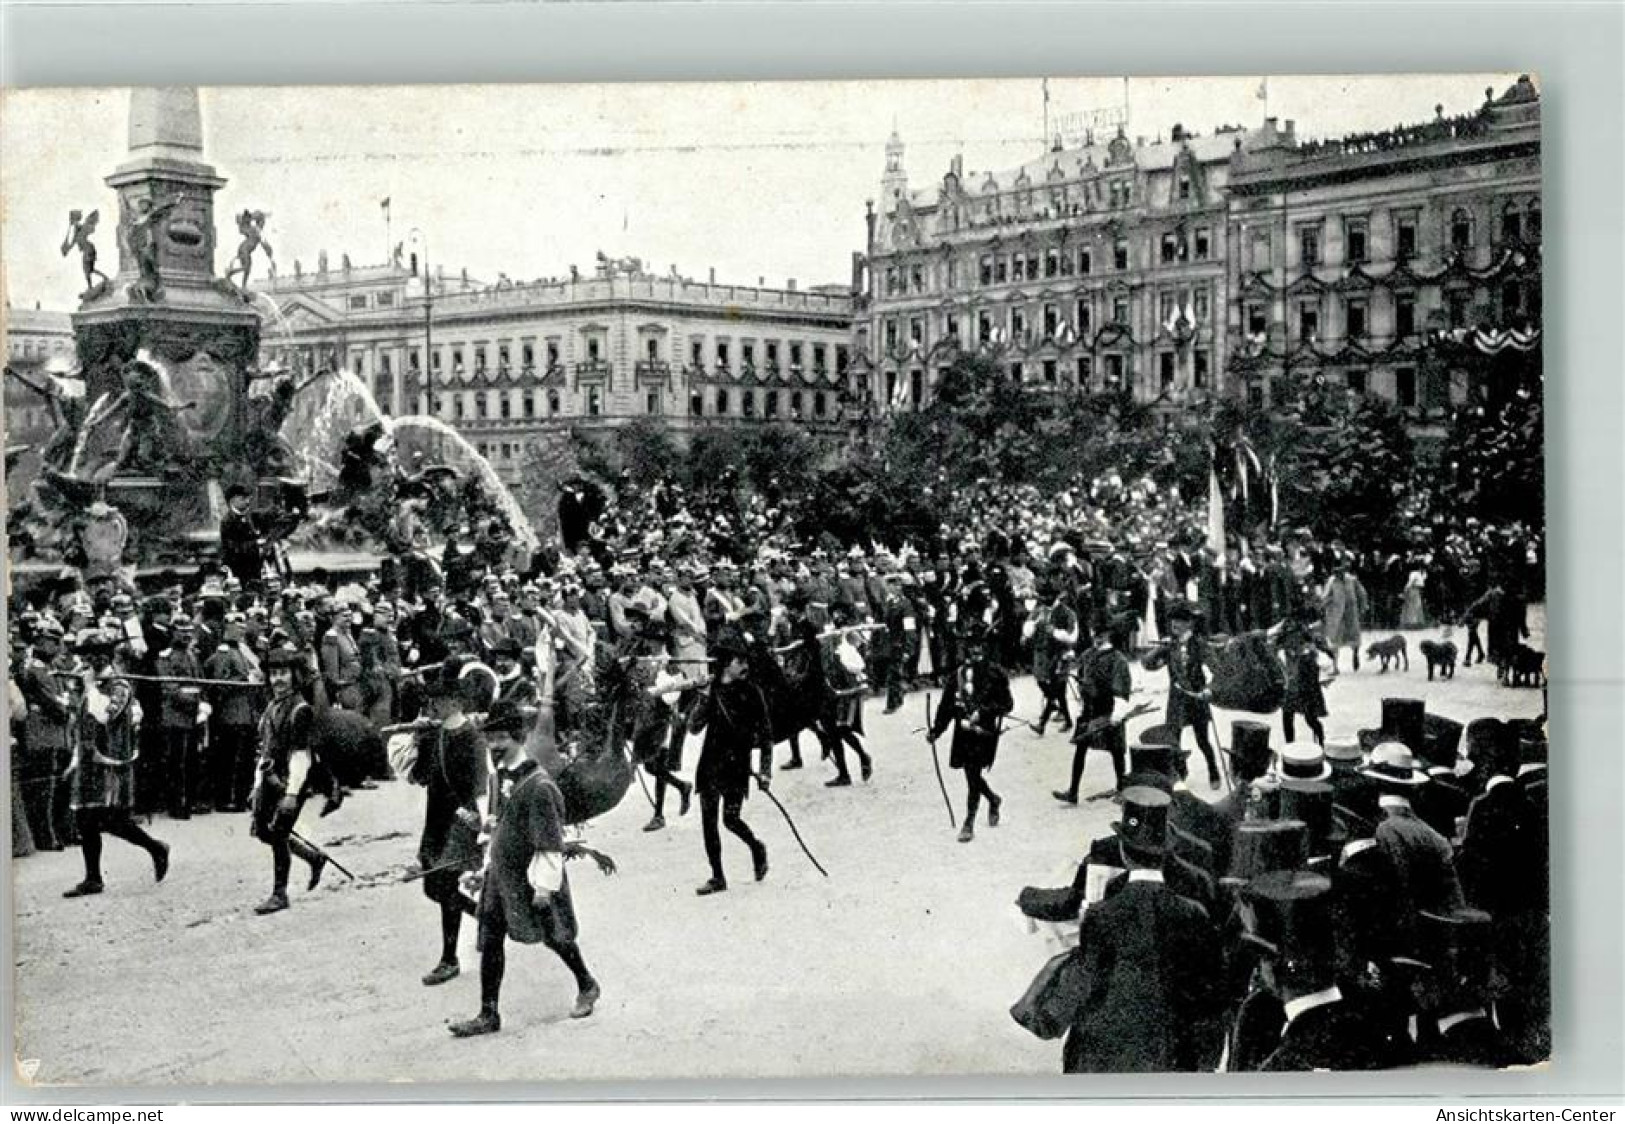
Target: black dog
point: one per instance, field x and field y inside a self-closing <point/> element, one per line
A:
<point x="1390" y="651"/>
<point x="1525" y="667"/>
<point x="1440" y="655"/>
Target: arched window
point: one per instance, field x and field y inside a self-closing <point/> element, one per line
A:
<point x="722" y="402"/>
<point x="1461" y="230"/>
<point x="1511" y="222"/>
<point x="552" y="403"/>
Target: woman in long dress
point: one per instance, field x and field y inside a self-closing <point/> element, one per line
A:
<point x="1411" y="613"/>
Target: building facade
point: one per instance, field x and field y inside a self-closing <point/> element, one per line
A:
<point x="39" y="344"/>
<point x="1363" y="262"/>
<point x="507" y="361"/>
<point x="1232" y="263"/>
<point x="1093" y="268"/>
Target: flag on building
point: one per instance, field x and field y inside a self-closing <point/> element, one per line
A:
<point x="1263" y="91"/>
<point x="384" y="203"/>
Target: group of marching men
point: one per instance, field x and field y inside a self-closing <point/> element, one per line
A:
<point x="1350" y="903"/>
<point x="1363" y="906"/>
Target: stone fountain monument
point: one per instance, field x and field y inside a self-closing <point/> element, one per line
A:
<point x="166" y="350"/>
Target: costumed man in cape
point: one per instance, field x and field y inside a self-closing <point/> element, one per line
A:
<point x="284" y="778"/>
<point x="102" y="774"/>
<point x="525" y="892"/>
<point x="974" y="701"/>
<point x="732" y="714"/>
<point x="450" y="764"/>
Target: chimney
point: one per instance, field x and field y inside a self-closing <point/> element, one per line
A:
<point x="712" y="279"/>
<point x="790" y="285"/>
<point x="761" y="282"/>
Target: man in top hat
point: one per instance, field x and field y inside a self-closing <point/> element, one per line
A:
<point x="1103" y="678"/>
<point x="1443" y="801"/>
<point x="1458" y="1027"/>
<point x="525" y="893"/>
<point x="1322" y="1029"/>
<point x="450" y="765"/>
<point x="1152" y="959"/>
<point x="975" y="699"/>
<point x="732" y="714"/>
<point x="242" y="543"/>
<point x="1423" y="858"/>
<point x="1188" y="695"/>
<point x="286" y="774"/>
<point x="103" y="746"/>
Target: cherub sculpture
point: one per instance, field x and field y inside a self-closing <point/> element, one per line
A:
<point x="80" y="227"/>
<point x="143" y="240"/>
<point x="251" y="224"/>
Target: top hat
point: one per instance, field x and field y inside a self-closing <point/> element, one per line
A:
<point x="1260" y="846"/>
<point x="1304" y="761"/>
<point x="1250" y="748"/>
<point x="1295" y="922"/>
<point x="1156" y="758"/>
<point x="1487" y="737"/>
<point x="1530" y="736"/>
<point x="1441" y="741"/>
<point x="1311" y="802"/>
<point x="1403" y="721"/>
<point x="1160" y="734"/>
<point x="1356" y="810"/>
<point x="1457" y="945"/>
<point x="1143" y="829"/>
<point x="1393" y="765"/>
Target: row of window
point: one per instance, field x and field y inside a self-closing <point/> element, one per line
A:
<point x="595" y="350"/>
<point x="29" y="348"/>
<point x="1517" y="221"/>
<point x="797" y="352"/>
<point x="1404" y="391"/>
<point x="360" y="302"/>
<point x="746" y="403"/>
<point x="915" y="278"/>
<point x="1517" y="299"/>
<point x="1191" y="304"/>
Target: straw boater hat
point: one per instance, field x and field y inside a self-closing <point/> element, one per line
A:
<point x="1304" y="761"/>
<point x="1394" y="764"/>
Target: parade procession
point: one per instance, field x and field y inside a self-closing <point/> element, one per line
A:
<point x="972" y="734"/>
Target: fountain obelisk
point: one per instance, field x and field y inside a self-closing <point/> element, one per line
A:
<point x="166" y="304"/>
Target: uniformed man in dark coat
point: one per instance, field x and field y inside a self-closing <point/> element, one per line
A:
<point x="732" y="713"/>
<point x="1151" y="958"/>
<point x="45" y="752"/>
<point x="975" y="699"/>
<point x="178" y="713"/>
<point x="1055" y="637"/>
<point x="525" y="892"/>
<point x="450" y="765"/>
<point x="286" y="774"/>
<point x="1459" y="1028"/>
<point x="232" y="723"/>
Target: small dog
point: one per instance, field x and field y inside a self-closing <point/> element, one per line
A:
<point x="1525" y="667"/>
<point x="1390" y="651"/>
<point x="1441" y="655"/>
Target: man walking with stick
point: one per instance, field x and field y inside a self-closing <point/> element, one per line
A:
<point x="976" y="699"/>
<point x="284" y="779"/>
<point x="733" y="715"/>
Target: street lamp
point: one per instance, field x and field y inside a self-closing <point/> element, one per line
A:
<point x="417" y="237"/>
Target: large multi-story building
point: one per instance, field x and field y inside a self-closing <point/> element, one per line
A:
<point x="507" y="361"/>
<point x="1363" y="262"/>
<point x="1233" y="262"/>
<point x="1091" y="268"/>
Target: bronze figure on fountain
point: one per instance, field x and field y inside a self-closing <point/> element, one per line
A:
<point x="251" y="224"/>
<point x="80" y="228"/>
